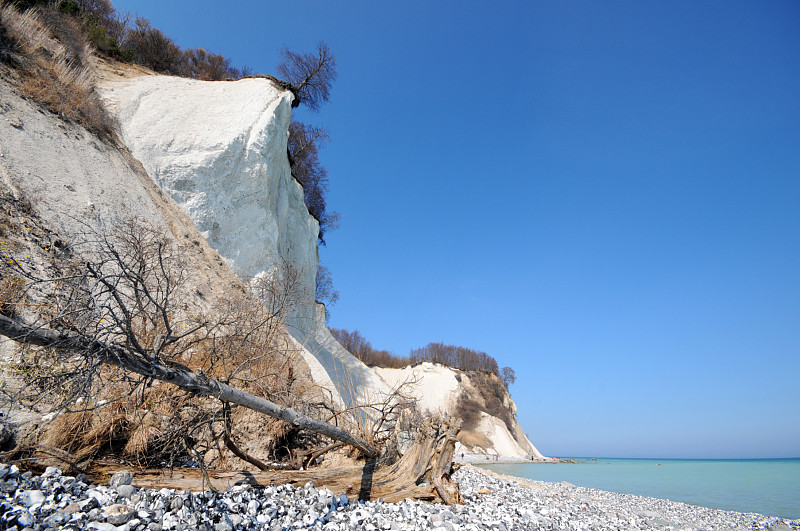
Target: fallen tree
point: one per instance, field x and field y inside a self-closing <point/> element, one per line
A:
<point x="98" y="329"/>
<point x="122" y="304"/>
<point x="174" y="373"/>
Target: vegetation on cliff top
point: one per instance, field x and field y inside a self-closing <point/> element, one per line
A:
<point x="490" y="381"/>
<point x="457" y="357"/>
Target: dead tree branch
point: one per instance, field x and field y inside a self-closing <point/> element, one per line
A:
<point x="170" y="372"/>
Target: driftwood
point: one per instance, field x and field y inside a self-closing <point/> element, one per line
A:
<point x="423" y="473"/>
<point x="171" y="372"/>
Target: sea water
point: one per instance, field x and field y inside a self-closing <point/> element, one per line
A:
<point x="767" y="486"/>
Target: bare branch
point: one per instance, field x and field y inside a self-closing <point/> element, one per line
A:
<point x="118" y="308"/>
<point x="311" y="73"/>
<point x="174" y="373"/>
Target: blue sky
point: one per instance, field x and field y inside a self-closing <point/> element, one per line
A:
<point x="604" y="196"/>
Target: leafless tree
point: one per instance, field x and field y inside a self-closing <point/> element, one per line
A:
<point x="325" y="292"/>
<point x="312" y="74"/>
<point x="303" y="146"/>
<point x="360" y="347"/>
<point x="107" y="327"/>
<point x="152" y="48"/>
<point x="508" y="376"/>
<point x="197" y="63"/>
<point x="458" y="357"/>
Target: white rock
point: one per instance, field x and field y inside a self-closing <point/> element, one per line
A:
<point x="102" y="498"/>
<point x="118" y="514"/>
<point x="123" y="477"/>
<point x="103" y="526"/>
<point x="26" y="519"/>
<point x="51" y="471"/>
<point x="310" y="517"/>
<point x="33" y="497"/>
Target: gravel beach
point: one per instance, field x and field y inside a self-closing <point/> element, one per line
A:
<point x="54" y="501"/>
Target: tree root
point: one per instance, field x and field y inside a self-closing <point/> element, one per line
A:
<point x="423" y="473"/>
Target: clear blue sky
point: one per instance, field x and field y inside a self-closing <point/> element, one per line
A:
<point x="604" y="196"/>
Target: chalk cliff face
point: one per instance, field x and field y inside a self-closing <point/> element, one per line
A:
<point x="218" y="149"/>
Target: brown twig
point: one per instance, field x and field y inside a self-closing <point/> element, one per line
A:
<point x="56" y="453"/>
<point x="315" y="455"/>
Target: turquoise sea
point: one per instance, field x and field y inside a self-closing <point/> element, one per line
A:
<point x="767" y="486"/>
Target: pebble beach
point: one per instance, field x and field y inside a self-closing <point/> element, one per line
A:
<point x="492" y="502"/>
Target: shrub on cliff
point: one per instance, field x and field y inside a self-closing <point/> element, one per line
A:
<point x="453" y="356"/>
<point x="508" y="376"/>
<point x="325" y="293"/>
<point x="151" y="48"/>
<point x="358" y="346"/>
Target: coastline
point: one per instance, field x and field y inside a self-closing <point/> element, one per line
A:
<point x="629" y="511"/>
<point x="765" y="486"/>
<point x="492" y="502"/>
<point x="483" y="459"/>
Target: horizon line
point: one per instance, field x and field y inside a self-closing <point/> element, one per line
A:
<point x="683" y="458"/>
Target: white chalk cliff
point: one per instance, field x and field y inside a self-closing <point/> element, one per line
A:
<point x="218" y="151"/>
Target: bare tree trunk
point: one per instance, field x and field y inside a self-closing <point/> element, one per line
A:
<point x="171" y="372"/>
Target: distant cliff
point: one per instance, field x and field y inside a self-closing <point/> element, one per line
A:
<point x="470" y="396"/>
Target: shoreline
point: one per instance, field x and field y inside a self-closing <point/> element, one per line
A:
<point x="483" y="459"/>
<point x="492" y="502"/>
<point x="741" y="485"/>
<point x="630" y="511"/>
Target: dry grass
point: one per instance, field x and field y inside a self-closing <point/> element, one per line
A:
<point x="493" y="394"/>
<point x="121" y="427"/>
<point x="151" y="425"/>
<point x="59" y="75"/>
<point x="104" y="432"/>
<point x="11" y="293"/>
<point x="469" y="411"/>
<point x="146" y="429"/>
<point x="242" y="342"/>
<point x="68" y="430"/>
